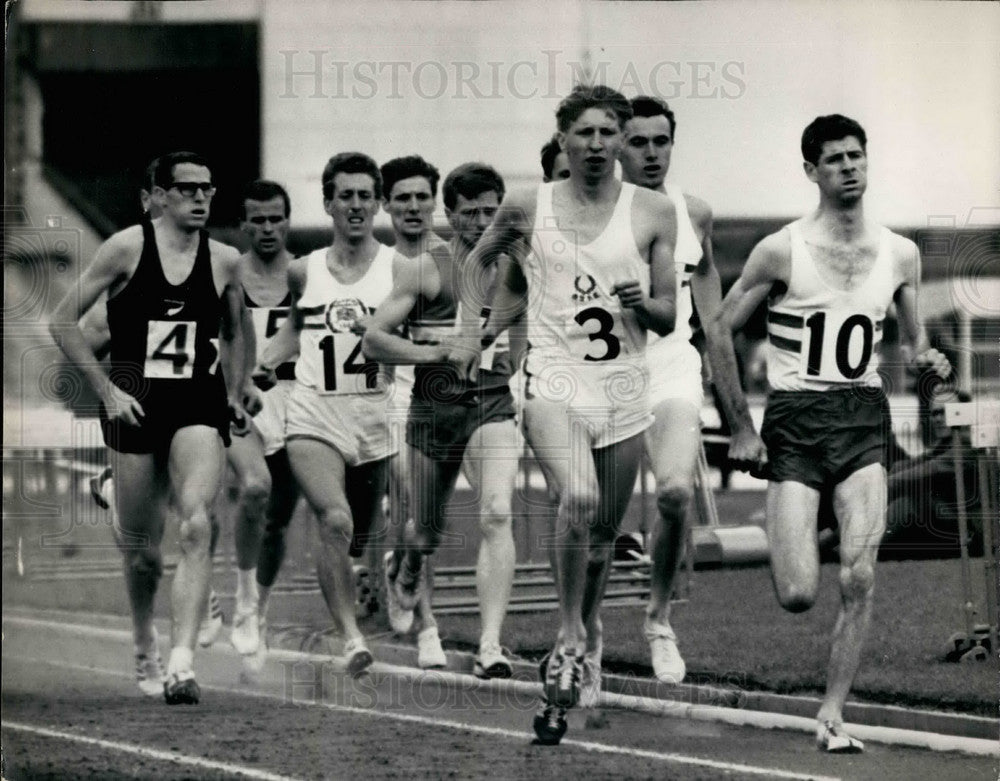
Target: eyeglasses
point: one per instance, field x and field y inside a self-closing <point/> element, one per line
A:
<point x="189" y="189"/>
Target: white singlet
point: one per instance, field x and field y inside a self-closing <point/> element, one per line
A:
<point x="675" y="363"/>
<point x="820" y="337"/>
<point x="585" y="350"/>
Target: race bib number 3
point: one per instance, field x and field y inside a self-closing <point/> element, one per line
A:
<point x="345" y="369"/>
<point x="170" y="349"/>
<point x="837" y="346"/>
<point x="595" y="334"/>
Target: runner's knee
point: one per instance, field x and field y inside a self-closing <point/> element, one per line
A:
<point x="335" y="525"/>
<point x="796" y="598"/>
<point x="145" y="561"/>
<point x="256" y="487"/>
<point x="580" y="507"/>
<point x="196" y="530"/>
<point x="857" y="581"/>
<point x="672" y="498"/>
<point x="495" y="516"/>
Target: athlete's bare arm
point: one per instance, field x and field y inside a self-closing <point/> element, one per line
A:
<point x="915" y="344"/>
<point x="109" y="271"/>
<point x="769" y="262"/>
<point x="232" y="348"/>
<point x="706" y="292"/>
<point x="94" y="325"/>
<point x="656" y="309"/>
<point x="382" y="341"/>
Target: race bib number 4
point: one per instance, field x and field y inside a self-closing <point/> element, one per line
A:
<point x="345" y="369"/>
<point x="170" y="349"/>
<point x="837" y="346"/>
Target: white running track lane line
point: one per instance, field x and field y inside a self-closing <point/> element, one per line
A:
<point x="148" y="753"/>
<point x="738" y="717"/>
<point x="600" y="748"/>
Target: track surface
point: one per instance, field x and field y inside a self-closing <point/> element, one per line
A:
<point x="72" y="710"/>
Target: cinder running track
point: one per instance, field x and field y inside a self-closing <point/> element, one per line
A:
<point x="71" y="710"/>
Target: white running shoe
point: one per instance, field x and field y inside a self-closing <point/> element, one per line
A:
<point x="149" y="671"/>
<point x="832" y="739"/>
<point x="668" y="664"/>
<point x="357" y="656"/>
<point x="590" y="680"/>
<point x="430" y="654"/>
<point x="491" y="662"/>
<point x="211" y="625"/>
<point x="255" y="662"/>
<point x="400" y="620"/>
<point x="246" y="631"/>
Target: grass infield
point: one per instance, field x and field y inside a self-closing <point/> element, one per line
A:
<point x="733" y="632"/>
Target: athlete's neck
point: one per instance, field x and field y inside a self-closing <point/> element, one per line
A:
<point x="843" y="222"/>
<point x="352" y="253"/>
<point x="175" y="237"/>
<point x="605" y="188"/>
<point x="273" y="266"/>
<point x="412" y="246"/>
<point x="460" y="250"/>
<point x="660" y="188"/>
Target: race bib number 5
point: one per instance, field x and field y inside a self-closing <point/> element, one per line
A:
<point x="838" y="346"/>
<point x="594" y="334"/>
<point x="170" y="349"/>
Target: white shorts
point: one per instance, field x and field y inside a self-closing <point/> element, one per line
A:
<point x="674" y="373"/>
<point x="610" y="400"/>
<point x="270" y="421"/>
<point x="399" y="404"/>
<point x="356" y="426"/>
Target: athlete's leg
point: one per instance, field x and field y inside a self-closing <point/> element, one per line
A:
<point x="859" y="503"/>
<point x="672" y="443"/>
<point x="491" y="463"/>
<point x="320" y="471"/>
<point x="562" y="447"/>
<point x="141" y="497"/>
<point x="792" y="537"/>
<point x="195" y="468"/>
<point x="280" y="508"/>
<point x="253" y="481"/>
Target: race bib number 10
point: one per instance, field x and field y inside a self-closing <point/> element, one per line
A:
<point x="837" y="346"/>
<point x="170" y="349"/>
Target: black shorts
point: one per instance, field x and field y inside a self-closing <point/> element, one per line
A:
<point x="819" y="438"/>
<point x="441" y="430"/>
<point x="166" y="413"/>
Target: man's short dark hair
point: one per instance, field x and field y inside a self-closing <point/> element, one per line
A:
<point x="163" y="167"/>
<point x="400" y="168"/>
<point x="550" y="151"/>
<point x="265" y="190"/>
<point x="648" y="106"/>
<point x="470" y="180"/>
<point x="832" y="127"/>
<point x="586" y="96"/>
<point x="350" y="163"/>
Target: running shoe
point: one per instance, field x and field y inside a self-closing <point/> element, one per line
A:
<point x="149" y="672"/>
<point x="246" y="631"/>
<point x="430" y="654"/>
<point x="562" y="678"/>
<point x="549" y="724"/>
<point x="668" y="664"/>
<point x="590" y="681"/>
<point x="211" y="625"/>
<point x="400" y="620"/>
<point x="102" y="488"/>
<point x="832" y="739"/>
<point x="181" y="689"/>
<point x="491" y="662"/>
<point x="358" y="657"/>
<point x="254" y="663"/>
